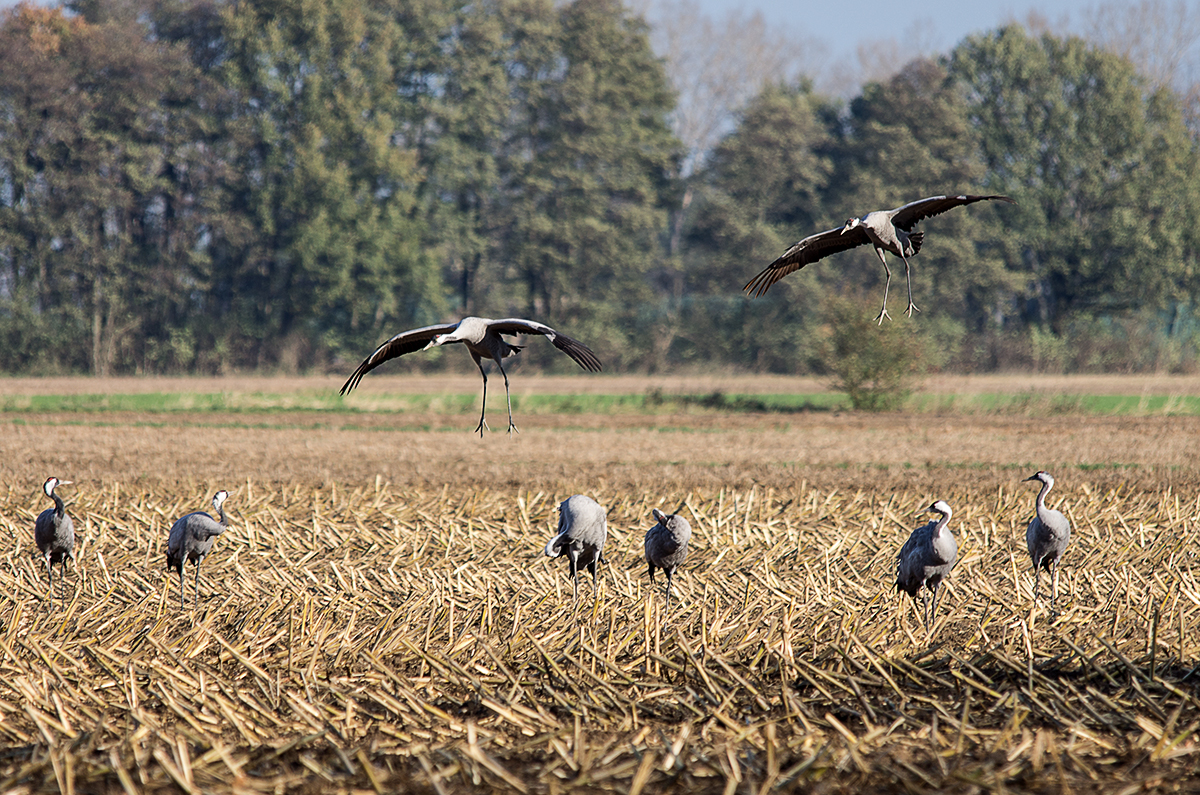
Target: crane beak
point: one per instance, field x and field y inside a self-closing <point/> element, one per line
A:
<point x="65" y="482"/>
<point x="1031" y="477"/>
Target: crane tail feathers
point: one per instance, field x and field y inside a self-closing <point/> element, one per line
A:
<point x="916" y="239"/>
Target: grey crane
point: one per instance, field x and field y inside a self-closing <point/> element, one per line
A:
<point x="1047" y="537"/>
<point x="482" y="338"/>
<point x="192" y="539"/>
<point x="54" y="532"/>
<point x="927" y="558"/>
<point x="886" y="230"/>
<point x="667" y="545"/>
<point x="582" y="531"/>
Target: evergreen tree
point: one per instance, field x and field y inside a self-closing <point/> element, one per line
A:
<point x="588" y="171"/>
<point x="334" y="259"/>
<point x="762" y="190"/>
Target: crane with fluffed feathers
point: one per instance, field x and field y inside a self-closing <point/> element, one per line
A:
<point x="667" y="545"/>
<point x="54" y="532"/>
<point x="483" y="339"/>
<point x="192" y="538"/>
<point x="582" y="531"/>
<point x="1047" y="537"/>
<point x="885" y="230"/>
<point x="927" y="558"/>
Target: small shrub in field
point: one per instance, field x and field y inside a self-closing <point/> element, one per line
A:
<point x="873" y="364"/>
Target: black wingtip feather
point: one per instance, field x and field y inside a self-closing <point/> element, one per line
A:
<point x="581" y="354"/>
<point x="758" y="286"/>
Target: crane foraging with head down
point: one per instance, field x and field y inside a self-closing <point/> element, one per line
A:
<point x="667" y="545"/>
<point x="1047" y="537"/>
<point x="192" y="538"/>
<point x="886" y="230"/>
<point x="54" y="532"/>
<point x="927" y="558"/>
<point x="582" y="531"/>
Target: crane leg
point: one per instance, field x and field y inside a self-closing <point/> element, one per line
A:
<point x="925" y="608"/>
<point x="573" y="556"/>
<point x="1054" y="589"/>
<point x="668" y="573"/>
<point x="196" y="587"/>
<point x="181" y="607"/>
<point x="908" y="278"/>
<point x="50" y="568"/>
<point x="887" y="283"/>
<point x="1037" y="580"/>
<point x="483" y="409"/>
<point x="511" y="426"/>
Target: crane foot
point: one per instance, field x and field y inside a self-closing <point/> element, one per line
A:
<point x="911" y="308"/>
<point x="883" y="313"/>
<point x="481" y="427"/>
<point x="513" y="428"/>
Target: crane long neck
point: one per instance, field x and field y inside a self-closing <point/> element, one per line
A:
<point x="221" y="513"/>
<point x="59" y="506"/>
<point x="943" y="520"/>
<point x="1041" y="497"/>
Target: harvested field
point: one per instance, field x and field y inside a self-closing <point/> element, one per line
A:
<point x="379" y="615"/>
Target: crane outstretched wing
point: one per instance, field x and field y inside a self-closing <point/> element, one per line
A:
<point x="810" y="249"/>
<point x="402" y="343"/>
<point x="580" y="353"/>
<point x="908" y="215"/>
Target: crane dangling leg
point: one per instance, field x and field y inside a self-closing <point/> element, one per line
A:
<point x="181" y="605"/>
<point x="887" y="283"/>
<point x="1037" y="579"/>
<point x="483" y="409"/>
<point x="908" y="278"/>
<point x="196" y="584"/>
<point x="511" y="425"/>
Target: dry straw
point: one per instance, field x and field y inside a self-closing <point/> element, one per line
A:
<point x="372" y="639"/>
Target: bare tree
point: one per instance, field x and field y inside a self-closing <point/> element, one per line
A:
<point x="1161" y="38"/>
<point x="716" y="66"/>
<point x="881" y="59"/>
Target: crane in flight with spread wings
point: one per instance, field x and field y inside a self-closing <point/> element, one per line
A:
<point x="886" y="230"/>
<point x="482" y="337"/>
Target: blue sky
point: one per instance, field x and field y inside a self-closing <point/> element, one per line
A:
<point x="842" y="25"/>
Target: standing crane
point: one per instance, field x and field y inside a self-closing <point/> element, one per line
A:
<point x="192" y="538"/>
<point x="54" y="532"/>
<point x="927" y="558"/>
<point x="667" y="545"/>
<point x="582" y="531"/>
<point x="482" y="338"/>
<point x="886" y="230"/>
<point x="1047" y="537"/>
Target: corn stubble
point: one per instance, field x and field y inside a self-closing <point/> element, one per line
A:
<point x="366" y="638"/>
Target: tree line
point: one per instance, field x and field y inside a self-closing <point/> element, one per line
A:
<point x="206" y="185"/>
